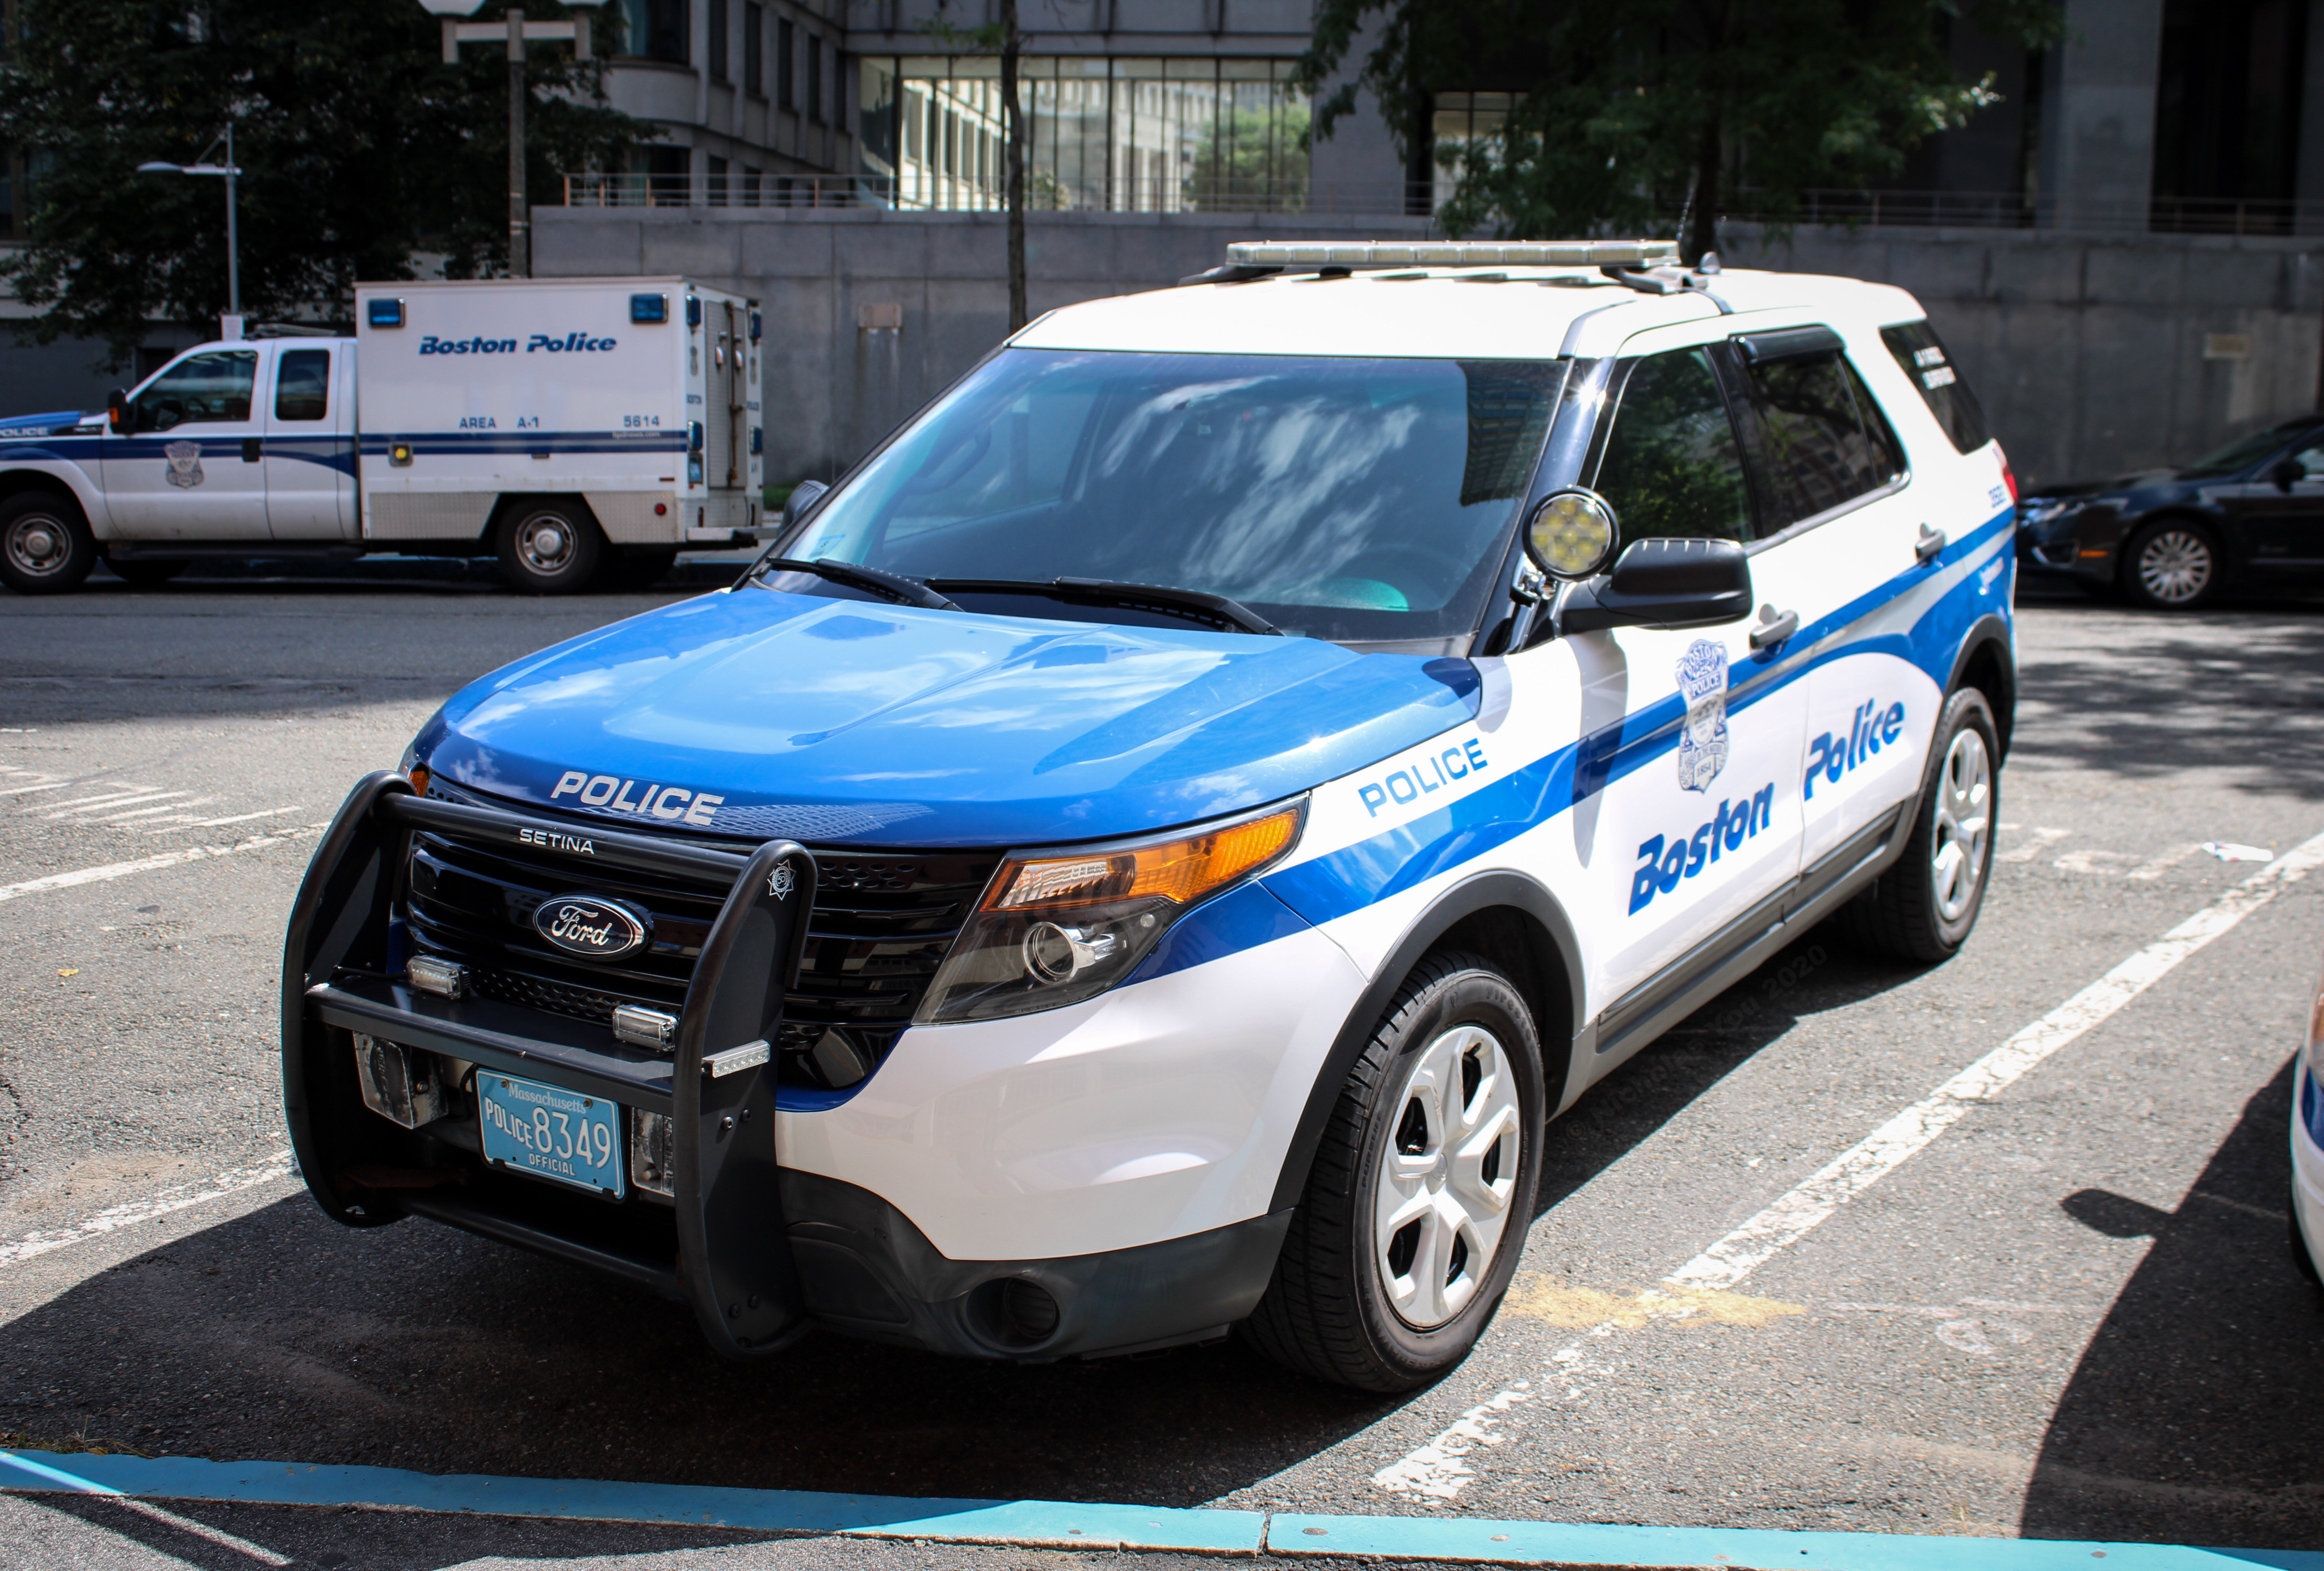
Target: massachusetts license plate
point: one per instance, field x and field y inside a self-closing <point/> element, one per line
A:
<point x="549" y="1133"/>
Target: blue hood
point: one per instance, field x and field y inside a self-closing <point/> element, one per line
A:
<point x="832" y="719"/>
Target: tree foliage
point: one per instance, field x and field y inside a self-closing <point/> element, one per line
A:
<point x="359" y="147"/>
<point x="1628" y="111"/>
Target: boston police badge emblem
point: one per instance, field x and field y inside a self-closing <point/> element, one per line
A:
<point x="1702" y="688"/>
<point x="185" y="463"/>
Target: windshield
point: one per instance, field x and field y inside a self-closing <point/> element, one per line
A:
<point x="2242" y="452"/>
<point x="1359" y="501"/>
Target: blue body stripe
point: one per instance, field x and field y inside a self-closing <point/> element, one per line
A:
<point x="1242" y="918"/>
<point x="446" y="444"/>
<point x="1371" y="870"/>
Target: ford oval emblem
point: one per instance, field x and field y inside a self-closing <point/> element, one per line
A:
<point x="591" y="926"/>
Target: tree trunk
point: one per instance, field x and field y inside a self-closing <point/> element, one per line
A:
<point x="1703" y="226"/>
<point x="1011" y="44"/>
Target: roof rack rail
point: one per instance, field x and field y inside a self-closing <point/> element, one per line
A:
<point x="1305" y="253"/>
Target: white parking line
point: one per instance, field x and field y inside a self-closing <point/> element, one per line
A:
<point x="2041" y="840"/>
<point x="242" y="817"/>
<point x="104" y="804"/>
<point x="151" y="812"/>
<point x="1440" y="1468"/>
<point x="277" y="1165"/>
<point x="2156" y="867"/>
<point x="144" y="864"/>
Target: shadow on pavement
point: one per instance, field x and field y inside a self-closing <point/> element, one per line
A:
<point x="2187" y="1420"/>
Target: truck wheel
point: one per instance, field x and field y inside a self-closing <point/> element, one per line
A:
<point x="548" y="548"/>
<point x="1922" y="908"/>
<point x="45" y="548"/>
<point x="1417" y="1204"/>
<point x="143" y="572"/>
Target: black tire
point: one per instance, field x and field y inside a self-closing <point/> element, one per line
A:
<point x="144" y="572"/>
<point x="2302" y="1261"/>
<point x="547" y="548"/>
<point x="1920" y="910"/>
<point x="1332" y="1309"/>
<point x="2172" y="565"/>
<point x="45" y="545"/>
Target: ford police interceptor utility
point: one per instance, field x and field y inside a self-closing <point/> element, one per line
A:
<point x="1151" y="850"/>
<point x="581" y="430"/>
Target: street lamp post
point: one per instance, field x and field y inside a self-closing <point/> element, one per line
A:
<point x="230" y="325"/>
<point x="518" y="32"/>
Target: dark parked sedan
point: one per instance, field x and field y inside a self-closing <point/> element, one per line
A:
<point x="2251" y="513"/>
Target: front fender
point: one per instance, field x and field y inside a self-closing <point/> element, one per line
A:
<point x="35" y="466"/>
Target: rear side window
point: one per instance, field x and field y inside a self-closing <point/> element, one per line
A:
<point x="1817" y="439"/>
<point x="1921" y="354"/>
<point x="302" y="387"/>
<point x="1670" y="465"/>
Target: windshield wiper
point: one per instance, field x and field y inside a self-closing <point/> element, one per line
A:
<point x="1192" y="603"/>
<point x="895" y="586"/>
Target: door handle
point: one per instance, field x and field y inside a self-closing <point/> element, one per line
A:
<point x="1930" y="542"/>
<point x="1774" y="629"/>
<point x="251" y="449"/>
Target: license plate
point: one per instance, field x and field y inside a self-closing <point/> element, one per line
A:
<point x="547" y="1132"/>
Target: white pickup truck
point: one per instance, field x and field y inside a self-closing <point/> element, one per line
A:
<point x="581" y="430"/>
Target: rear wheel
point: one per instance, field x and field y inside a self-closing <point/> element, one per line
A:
<point x="1416" y="1206"/>
<point x="1922" y="908"/>
<point x="143" y="573"/>
<point x="45" y="548"/>
<point x="548" y="548"/>
<point x="2171" y="564"/>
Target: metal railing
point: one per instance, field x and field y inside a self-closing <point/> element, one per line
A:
<point x="923" y="191"/>
<point x="2230" y="215"/>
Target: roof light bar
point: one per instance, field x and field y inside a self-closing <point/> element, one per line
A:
<point x="1452" y="253"/>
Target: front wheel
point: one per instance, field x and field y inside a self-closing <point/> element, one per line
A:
<point x="45" y="548"/>
<point x="1416" y="1205"/>
<point x="2171" y="564"/>
<point x="548" y="548"/>
<point x="1922" y="908"/>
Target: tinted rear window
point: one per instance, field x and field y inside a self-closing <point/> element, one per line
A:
<point x="1923" y="354"/>
<point x="1818" y="440"/>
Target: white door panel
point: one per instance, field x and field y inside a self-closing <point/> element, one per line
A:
<point x="310" y="461"/>
<point x="189" y="467"/>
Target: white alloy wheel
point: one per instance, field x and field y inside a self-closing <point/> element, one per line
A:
<point x="1446" y="1176"/>
<point x="2175" y="566"/>
<point x="1963" y="823"/>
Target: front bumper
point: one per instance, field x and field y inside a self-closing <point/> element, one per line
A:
<point x="759" y="1249"/>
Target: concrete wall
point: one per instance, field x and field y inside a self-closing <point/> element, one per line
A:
<point x="2090" y="355"/>
<point x="836" y="378"/>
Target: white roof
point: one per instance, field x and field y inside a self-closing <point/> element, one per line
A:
<point x="1472" y="313"/>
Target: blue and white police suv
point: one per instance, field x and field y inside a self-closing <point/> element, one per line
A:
<point x="1153" y="848"/>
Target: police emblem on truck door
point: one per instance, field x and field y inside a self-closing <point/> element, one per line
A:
<point x="589" y="926"/>
<point x="185" y="463"/>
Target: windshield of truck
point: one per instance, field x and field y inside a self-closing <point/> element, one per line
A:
<point x="1359" y="501"/>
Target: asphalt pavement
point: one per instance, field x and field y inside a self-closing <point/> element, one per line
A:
<point x="2071" y="1314"/>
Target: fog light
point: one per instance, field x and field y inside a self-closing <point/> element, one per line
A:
<point x="433" y="974"/>
<point x="735" y="1059"/>
<point x="653" y="1147"/>
<point x="643" y="1027"/>
<point x="398" y="1084"/>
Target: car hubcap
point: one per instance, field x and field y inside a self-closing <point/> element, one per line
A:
<point x="1964" y="824"/>
<point x="546" y="545"/>
<point x="2175" y="566"/>
<point x="38" y="547"/>
<point x="1448" y="1172"/>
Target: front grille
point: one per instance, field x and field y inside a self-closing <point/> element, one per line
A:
<point x="880" y="923"/>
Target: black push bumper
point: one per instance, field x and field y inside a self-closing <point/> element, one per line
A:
<point x="730" y="1260"/>
<point x="758" y="1251"/>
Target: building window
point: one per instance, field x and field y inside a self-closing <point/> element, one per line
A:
<point x="754" y="48"/>
<point x="655" y="29"/>
<point x="1460" y="119"/>
<point x="668" y="171"/>
<point x="749" y="187"/>
<point x="718" y="66"/>
<point x="785" y="97"/>
<point x="814" y="76"/>
<point x="1120" y="135"/>
<point x="717" y="181"/>
<point x="2227" y="113"/>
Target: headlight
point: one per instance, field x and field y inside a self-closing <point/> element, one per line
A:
<point x="1055" y="928"/>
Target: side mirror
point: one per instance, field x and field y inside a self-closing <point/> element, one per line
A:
<point x="116" y="412"/>
<point x="1663" y="584"/>
<point x="804" y="496"/>
<point x="2287" y="472"/>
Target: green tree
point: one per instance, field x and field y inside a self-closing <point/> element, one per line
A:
<point x="1628" y="111"/>
<point x="359" y="147"/>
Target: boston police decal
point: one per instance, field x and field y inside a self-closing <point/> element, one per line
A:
<point x="1703" y="686"/>
<point x="185" y="464"/>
